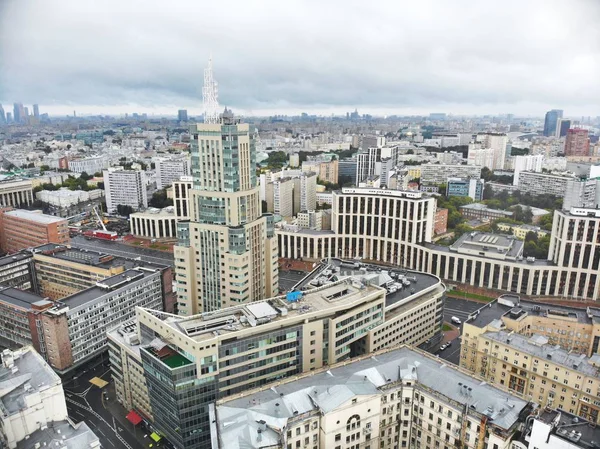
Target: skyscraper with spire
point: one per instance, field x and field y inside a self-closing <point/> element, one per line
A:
<point x="227" y="253"/>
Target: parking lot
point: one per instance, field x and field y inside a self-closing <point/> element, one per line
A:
<point x="287" y="279"/>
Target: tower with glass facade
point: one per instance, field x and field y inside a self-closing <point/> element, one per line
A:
<point x="227" y="253"/>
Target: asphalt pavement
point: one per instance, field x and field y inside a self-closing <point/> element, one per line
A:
<point x="120" y="249"/>
<point x="89" y="403"/>
<point x="461" y="309"/>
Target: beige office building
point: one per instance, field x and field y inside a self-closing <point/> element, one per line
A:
<point x="227" y="252"/>
<point x="246" y="346"/>
<point x="154" y="223"/>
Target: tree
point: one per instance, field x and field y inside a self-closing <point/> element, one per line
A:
<point x="159" y="199"/>
<point x="277" y="159"/>
<point x="85" y="176"/>
<point x="124" y="211"/>
<point x="488" y="192"/>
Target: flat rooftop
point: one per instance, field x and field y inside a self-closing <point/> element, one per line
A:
<point x="33" y="375"/>
<point x="21" y="298"/>
<point x="329" y="388"/>
<point x="507" y="305"/>
<point x="588" y="434"/>
<point x="536" y="347"/>
<point x="406" y="283"/>
<point x="90" y="257"/>
<point x="36" y="217"/>
<point x="103" y="287"/>
<point x="14" y="258"/>
<point x="207" y="325"/>
<point x="63" y="435"/>
<point x="498" y="246"/>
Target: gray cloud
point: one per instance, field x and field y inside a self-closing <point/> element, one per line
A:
<point x="460" y="56"/>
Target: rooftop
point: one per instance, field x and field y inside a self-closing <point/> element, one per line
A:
<point x="153" y="212"/>
<point x="205" y="326"/>
<point x="14" y="258"/>
<point x="23" y="372"/>
<point x="238" y="417"/>
<point x="483" y="207"/>
<point x="400" y="284"/>
<point x="513" y="307"/>
<point x="103" y="287"/>
<point x="538" y="346"/>
<point x="37" y="217"/>
<point x="21" y="298"/>
<point x="572" y="428"/>
<point x="63" y="435"/>
<point x="89" y="257"/>
<point x="498" y="246"/>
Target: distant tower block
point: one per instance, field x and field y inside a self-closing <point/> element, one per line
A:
<point x="210" y="96"/>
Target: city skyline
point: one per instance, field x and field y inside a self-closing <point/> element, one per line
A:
<point x="409" y="61"/>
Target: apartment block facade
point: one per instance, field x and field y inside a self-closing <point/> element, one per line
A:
<point x="125" y="188"/>
<point x="171" y="170"/>
<point x="387" y="400"/>
<point x="543" y="183"/>
<point x="435" y="174"/>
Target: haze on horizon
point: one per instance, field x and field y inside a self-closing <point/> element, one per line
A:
<point x="460" y="57"/>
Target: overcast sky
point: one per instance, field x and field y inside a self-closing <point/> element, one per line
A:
<point x="322" y="56"/>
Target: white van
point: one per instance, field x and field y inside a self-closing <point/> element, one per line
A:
<point x="455" y="320"/>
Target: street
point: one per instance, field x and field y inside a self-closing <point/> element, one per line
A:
<point x="120" y="249"/>
<point x="85" y="402"/>
<point x="461" y="309"/>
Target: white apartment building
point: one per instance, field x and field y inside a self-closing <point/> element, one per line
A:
<point x="582" y="194"/>
<point x="126" y="188"/>
<point x="439" y="173"/>
<point x="280" y="197"/>
<point x="171" y="170"/>
<point x="555" y="163"/>
<point x="324" y="198"/>
<point x="497" y="142"/>
<point x="312" y="219"/>
<point x="543" y="183"/>
<point x="67" y="198"/>
<point x="401" y="398"/>
<point x="482" y="157"/>
<point x="89" y="165"/>
<point x="527" y="163"/>
<point x="31" y="395"/>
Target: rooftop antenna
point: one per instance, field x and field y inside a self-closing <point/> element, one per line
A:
<point x="210" y="96"/>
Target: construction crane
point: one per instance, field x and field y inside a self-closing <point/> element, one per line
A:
<point x="95" y="209"/>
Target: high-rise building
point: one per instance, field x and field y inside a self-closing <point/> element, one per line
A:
<point x="527" y="163"/>
<point x="182" y="115"/>
<point x="577" y="142"/>
<point x="498" y="142"/>
<point x="2" y="116"/>
<point x="472" y="188"/>
<point x="562" y="127"/>
<point x="125" y="188"/>
<point x="583" y="193"/>
<point x="36" y="111"/>
<point x="227" y="252"/>
<point x="181" y="201"/>
<point x="18" y="112"/>
<point x="171" y="170"/>
<point x="8" y="117"/>
<point x="551" y="120"/>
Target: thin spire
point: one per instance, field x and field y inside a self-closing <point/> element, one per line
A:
<point x="210" y="96"/>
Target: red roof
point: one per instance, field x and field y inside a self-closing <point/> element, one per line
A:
<point x="134" y="418"/>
